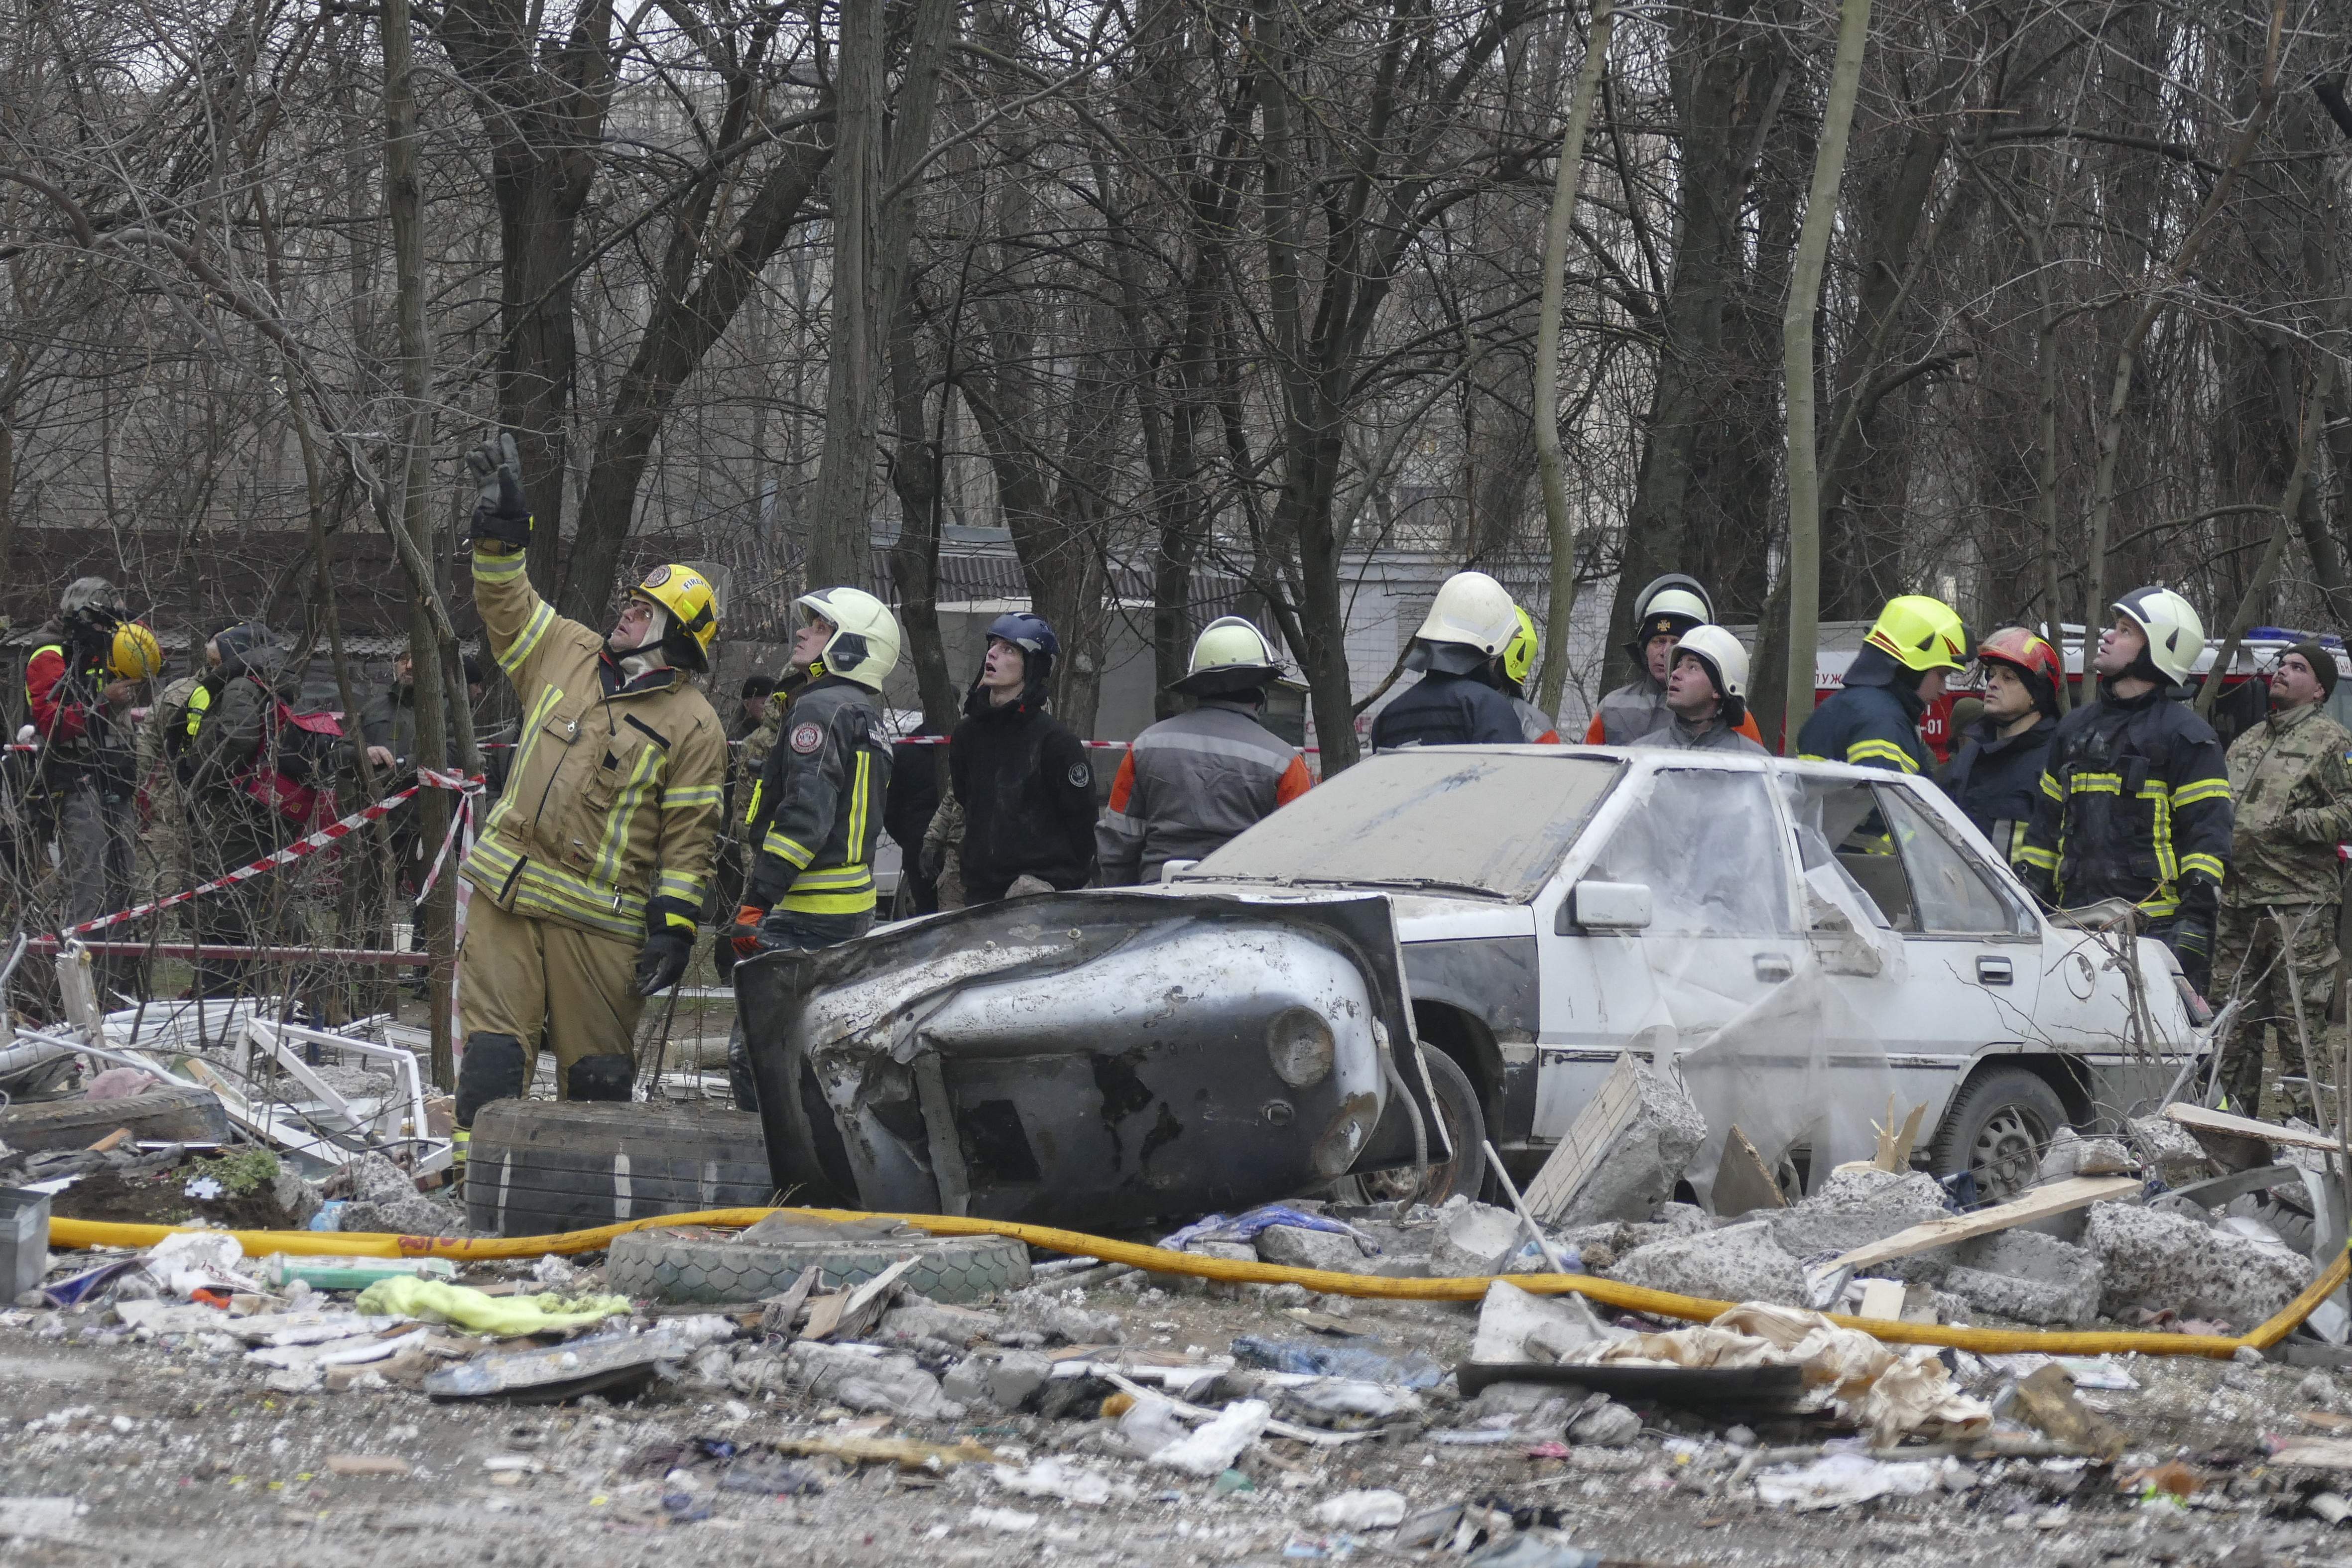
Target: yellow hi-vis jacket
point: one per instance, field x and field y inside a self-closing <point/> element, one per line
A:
<point x="611" y="807"/>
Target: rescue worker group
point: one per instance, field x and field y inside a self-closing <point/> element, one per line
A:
<point x="592" y="867"/>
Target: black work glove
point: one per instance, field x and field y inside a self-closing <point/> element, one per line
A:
<point x="500" y="514"/>
<point x="662" y="961"/>
<point x="932" y="859"/>
<point x="2192" y="944"/>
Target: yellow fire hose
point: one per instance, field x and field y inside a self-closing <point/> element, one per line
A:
<point x="1635" y="1298"/>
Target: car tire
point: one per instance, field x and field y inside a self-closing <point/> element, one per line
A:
<point x="1465" y="1123"/>
<point x="694" y="1266"/>
<point x="1998" y="1127"/>
<point x="167" y="1114"/>
<point x="540" y="1168"/>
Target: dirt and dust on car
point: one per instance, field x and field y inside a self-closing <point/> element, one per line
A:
<point x="1603" y="1180"/>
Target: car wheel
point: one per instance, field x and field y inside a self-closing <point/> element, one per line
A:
<point x="1466" y="1126"/>
<point x="1998" y="1127"/>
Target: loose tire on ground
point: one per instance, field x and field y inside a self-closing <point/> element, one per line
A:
<point x="1998" y="1127"/>
<point x="691" y="1265"/>
<point x="536" y="1167"/>
<point x="166" y="1113"/>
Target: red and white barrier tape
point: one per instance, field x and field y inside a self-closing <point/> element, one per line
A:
<point x="309" y="843"/>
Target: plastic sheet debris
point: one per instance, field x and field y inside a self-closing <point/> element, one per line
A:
<point x="507" y="1317"/>
<point x="1840" y="1480"/>
<point x="1346" y="1404"/>
<point x="187" y="1261"/>
<point x="1889" y="1394"/>
<point x="1534" y="1550"/>
<point x="1246" y="1226"/>
<point x="1373" y="1510"/>
<point x="1004" y="1521"/>
<point x="611" y="1364"/>
<point x="1067" y="1481"/>
<point x="1218" y="1444"/>
<point x="1151" y="1424"/>
<point x="1406" y="1369"/>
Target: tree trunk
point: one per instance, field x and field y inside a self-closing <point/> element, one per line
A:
<point x="839" y="530"/>
<point x="403" y="202"/>
<point x="542" y="105"/>
<point x="1797" y="341"/>
<point x="1559" y="528"/>
<point x="2160" y="289"/>
<point x="2250" y="604"/>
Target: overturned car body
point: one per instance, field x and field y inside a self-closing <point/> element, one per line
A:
<point x="1100" y="1057"/>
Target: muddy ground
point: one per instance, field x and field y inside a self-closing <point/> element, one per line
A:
<point x="157" y="1455"/>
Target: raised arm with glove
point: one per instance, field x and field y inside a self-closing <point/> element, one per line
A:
<point x="591" y="870"/>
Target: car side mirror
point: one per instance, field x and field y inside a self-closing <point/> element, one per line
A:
<point x="1170" y="870"/>
<point x="1606" y="906"/>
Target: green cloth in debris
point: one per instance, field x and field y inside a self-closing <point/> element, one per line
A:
<point x="437" y="1301"/>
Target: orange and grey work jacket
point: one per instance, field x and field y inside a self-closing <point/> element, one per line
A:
<point x="611" y="807"/>
<point x="1190" y="783"/>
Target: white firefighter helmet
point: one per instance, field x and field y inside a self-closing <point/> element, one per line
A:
<point x="2176" y="632"/>
<point x="1719" y="651"/>
<point x="1231" y="656"/>
<point x="1473" y="609"/>
<point x="864" y="646"/>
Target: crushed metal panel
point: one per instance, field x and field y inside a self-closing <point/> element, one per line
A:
<point x="1103" y="1056"/>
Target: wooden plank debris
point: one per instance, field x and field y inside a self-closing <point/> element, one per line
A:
<point x="2198" y="1119"/>
<point x="2058" y="1198"/>
<point x="1606" y="1115"/>
<point x="1894" y="1143"/>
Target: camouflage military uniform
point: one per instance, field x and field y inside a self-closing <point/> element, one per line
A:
<point x="2291" y="778"/>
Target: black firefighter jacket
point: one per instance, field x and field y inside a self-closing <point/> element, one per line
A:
<point x="1873" y="722"/>
<point x="1996" y="778"/>
<point x="817" y="810"/>
<point x="2134" y="805"/>
<point x="1028" y="795"/>
<point x="1444" y="709"/>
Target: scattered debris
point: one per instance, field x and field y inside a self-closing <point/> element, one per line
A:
<point x="1622" y="1154"/>
<point x="2046" y="1401"/>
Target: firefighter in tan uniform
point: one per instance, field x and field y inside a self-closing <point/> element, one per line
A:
<point x="592" y="867"/>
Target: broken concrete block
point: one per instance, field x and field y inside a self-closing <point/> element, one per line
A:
<point x="2172" y="1151"/>
<point x="1231" y="1251"/>
<point x="1607" y="1424"/>
<point x="1294" y="1246"/>
<point x="966" y="1382"/>
<point x="2025" y="1276"/>
<point x="1738" y="1263"/>
<point x="920" y="1317"/>
<point x="1855" y="1208"/>
<point x="1627" y="1172"/>
<point x="1036" y="1310"/>
<point x="384" y="1198"/>
<point x="1014" y="1377"/>
<point x="2158" y="1258"/>
<point x="2070" y="1154"/>
<point x="1475" y="1239"/>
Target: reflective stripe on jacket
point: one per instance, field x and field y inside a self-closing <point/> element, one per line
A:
<point x="1874" y="722"/>
<point x="818" y="813"/>
<point x="1188" y="785"/>
<point x="611" y="804"/>
<point x="2135" y="804"/>
<point x="1997" y="779"/>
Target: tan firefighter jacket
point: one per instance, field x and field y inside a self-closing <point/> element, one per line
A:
<point x="611" y="807"/>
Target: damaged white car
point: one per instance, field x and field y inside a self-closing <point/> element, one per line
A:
<point x="1812" y="949"/>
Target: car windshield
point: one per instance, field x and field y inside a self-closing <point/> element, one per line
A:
<point x="1494" y="823"/>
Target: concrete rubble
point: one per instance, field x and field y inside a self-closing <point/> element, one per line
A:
<point x="1118" y="1414"/>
